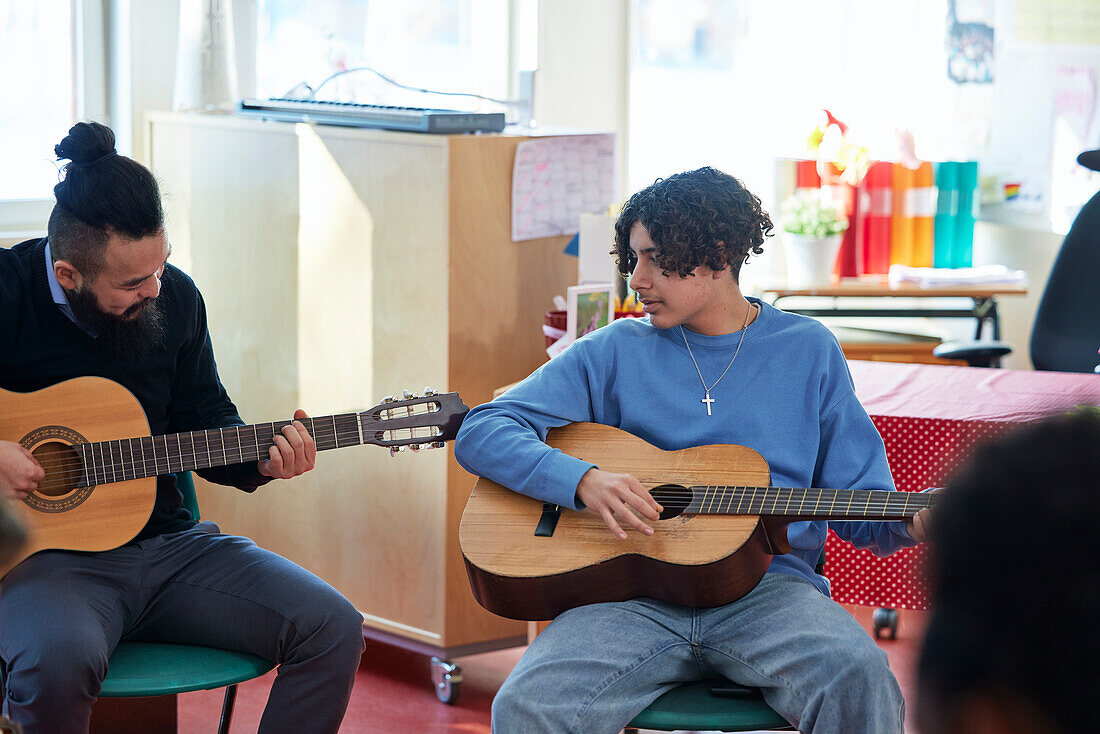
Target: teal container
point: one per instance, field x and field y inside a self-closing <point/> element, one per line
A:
<point x="962" y="254"/>
<point x="947" y="209"/>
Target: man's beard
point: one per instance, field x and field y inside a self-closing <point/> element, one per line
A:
<point x="126" y="337"/>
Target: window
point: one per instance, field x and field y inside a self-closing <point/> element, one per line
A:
<point x="443" y="45"/>
<point x="734" y="83"/>
<point x="49" y="79"/>
<point x="752" y="77"/>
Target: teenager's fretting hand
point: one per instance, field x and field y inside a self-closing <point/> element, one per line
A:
<point x="619" y="496"/>
<point x="294" y="451"/>
<point x="921" y="522"/>
<point x="918" y="526"/>
<point x="20" y="473"/>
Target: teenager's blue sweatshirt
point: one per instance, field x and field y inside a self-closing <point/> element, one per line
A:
<point x="788" y="395"/>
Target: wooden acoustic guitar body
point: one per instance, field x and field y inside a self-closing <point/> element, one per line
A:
<point x="695" y="560"/>
<point x="48" y="422"/>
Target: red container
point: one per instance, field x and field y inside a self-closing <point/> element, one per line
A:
<point x="555" y="320"/>
<point x="873" y="222"/>
<point x="558" y="320"/>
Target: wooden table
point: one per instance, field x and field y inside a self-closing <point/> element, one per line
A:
<point x="982" y="297"/>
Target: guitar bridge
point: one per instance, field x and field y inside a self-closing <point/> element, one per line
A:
<point x="549" y="521"/>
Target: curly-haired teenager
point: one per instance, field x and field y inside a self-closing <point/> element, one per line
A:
<point x="707" y="366"/>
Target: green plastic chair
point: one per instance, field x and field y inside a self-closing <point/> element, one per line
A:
<point x="161" y="669"/>
<point x="692" y="706"/>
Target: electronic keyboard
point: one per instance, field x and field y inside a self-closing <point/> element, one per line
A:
<point x="353" y="114"/>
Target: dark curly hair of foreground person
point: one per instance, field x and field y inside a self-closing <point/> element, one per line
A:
<point x="1012" y="642"/>
<point x="701" y="217"/>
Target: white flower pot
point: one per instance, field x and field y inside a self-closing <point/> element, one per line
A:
<point x="810" y="260"/>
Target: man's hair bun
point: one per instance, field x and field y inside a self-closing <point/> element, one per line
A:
<point x="86" y="142"/>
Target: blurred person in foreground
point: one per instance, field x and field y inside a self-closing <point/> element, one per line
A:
<point x="1012" y="644"/>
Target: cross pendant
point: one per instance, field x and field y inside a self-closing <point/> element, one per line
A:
<point x="708" y="400"/>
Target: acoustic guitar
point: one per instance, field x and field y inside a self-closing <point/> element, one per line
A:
<point x="92" y="439"/>
<point x="721" y="525"/>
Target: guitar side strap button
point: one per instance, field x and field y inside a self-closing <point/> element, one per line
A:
<point x="549" y="520"/>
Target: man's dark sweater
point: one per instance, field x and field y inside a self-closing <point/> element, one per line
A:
<point x="177" y="383"/>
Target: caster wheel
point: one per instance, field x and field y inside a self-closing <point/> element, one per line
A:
<point x="446" y="679"/>
<point x="885" y="619"/>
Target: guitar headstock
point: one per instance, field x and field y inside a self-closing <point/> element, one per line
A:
<point x="416" y="421"/>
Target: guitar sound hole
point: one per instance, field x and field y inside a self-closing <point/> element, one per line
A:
<point x="62" y="465"/>
<point x="673" y="498"/>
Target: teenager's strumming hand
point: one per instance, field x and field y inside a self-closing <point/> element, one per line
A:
<point x="20" y="472"/>
<point x="294" y="451"/>
<point x="619" y="496"/>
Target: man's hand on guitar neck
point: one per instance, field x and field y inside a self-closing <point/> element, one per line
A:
<point x="20" y="473"/>
<point x="618" y="495"/>
<point x="294" y="451"/>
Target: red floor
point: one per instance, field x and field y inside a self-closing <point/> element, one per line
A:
<point x="393" y="693"/>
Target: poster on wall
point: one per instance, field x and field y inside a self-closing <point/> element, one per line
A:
<point x="970" y="41"/>
<point x="556" y="179"/>
<point x="1044" y="110"/>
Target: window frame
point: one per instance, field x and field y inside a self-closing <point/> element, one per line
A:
<point x="21" y="219"/>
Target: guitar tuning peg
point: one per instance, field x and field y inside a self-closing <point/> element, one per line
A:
<point x="410" y="395"/>
<point x="389" y="399"/>
<point x="414" y="447"/>
<point x="395" y="450"/>
<point x="436" y="445"/>
<point x="430" y="391"/>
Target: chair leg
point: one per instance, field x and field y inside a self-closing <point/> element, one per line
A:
<point x="227" y="708"/>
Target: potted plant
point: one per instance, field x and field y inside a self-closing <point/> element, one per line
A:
<point x="812" y="229"/>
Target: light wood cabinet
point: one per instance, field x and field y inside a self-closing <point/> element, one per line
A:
<point x="339" y="266"/>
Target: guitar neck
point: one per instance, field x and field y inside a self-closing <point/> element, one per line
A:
<point x="148" y="456"/>
<point x="800" y="503"/>
<point x="414" y="421"/>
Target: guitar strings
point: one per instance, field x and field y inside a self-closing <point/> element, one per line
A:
<point x="877" y="502"/>
<point x="76" y="464"/>
<point x="274" y="427"/>
<point x="73" y="468"/>
<point x="713" y="493"/>
<point x="880" y="500"/>
<point x="769" y="494"/>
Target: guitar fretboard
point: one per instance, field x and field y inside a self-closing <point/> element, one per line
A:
<point x="136" y="458"/>
<point x="855" y="504"/>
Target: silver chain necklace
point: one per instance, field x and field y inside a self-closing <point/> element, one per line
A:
<point x="706" y="390"/>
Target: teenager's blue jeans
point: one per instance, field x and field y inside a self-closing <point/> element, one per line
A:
<point x="597" y="666"/>
<point x="62" y="613"/>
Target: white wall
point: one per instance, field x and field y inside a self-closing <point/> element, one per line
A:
<point x="584" y="69"/>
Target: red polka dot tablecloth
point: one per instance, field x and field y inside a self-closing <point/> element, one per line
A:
<point x="930" y="417"/>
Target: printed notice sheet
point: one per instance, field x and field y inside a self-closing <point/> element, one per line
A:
<point x="555" y="180"/>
